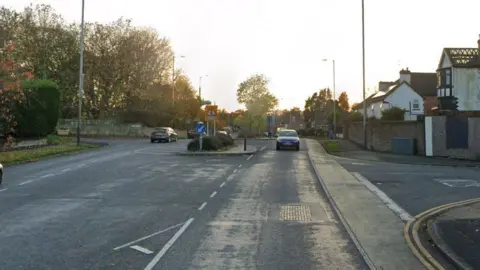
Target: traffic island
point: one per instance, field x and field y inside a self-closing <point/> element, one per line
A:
<point x="237" y="150"/>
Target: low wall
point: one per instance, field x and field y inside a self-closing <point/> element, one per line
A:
<point x="381" y="133"/>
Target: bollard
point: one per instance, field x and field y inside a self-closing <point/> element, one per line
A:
<point x="245" y="143"/>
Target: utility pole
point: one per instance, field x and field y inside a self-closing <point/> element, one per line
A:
<point x="363" y="70"/>
<point x="80" y="82"/>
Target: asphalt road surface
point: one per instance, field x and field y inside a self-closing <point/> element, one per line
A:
<point x="417" y="188"/>
<point x="136" y="205"/>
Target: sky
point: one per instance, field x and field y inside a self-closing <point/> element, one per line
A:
<point x="229" y="40"/>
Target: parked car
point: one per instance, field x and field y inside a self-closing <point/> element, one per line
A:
<point x="1" y="173"/>
<point x="163" y="134"/>
<point x="288" y="138"/>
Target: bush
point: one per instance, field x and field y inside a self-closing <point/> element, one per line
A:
<point x="302" y="132"/>
<point x="53" y="139"/>
<point x="225" y="139"/>
<point x="355" y="116"/>
<point x="393" y="114"/>
<point x="38" y="115"/>
<point x="210" y="143"/>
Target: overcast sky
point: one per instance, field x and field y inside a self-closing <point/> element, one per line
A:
<point x="287" y="40"/>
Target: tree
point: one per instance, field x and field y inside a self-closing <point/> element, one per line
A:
<point x="343" y="102"/>
<point x="316" y="102"/>
<point x="254" y="94"/>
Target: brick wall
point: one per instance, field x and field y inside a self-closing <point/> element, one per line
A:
<point x="381" y="133"/>
<point x="429" y="103"/>
<point x="439" y="145"/>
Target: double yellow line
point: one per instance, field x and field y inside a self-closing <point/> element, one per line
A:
<point x="413" y="240"/>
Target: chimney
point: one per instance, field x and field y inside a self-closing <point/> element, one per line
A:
<point x="405" y="75"/>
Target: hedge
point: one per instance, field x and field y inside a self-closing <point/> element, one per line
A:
<point x="38" y="115"/>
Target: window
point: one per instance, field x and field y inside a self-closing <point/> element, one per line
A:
<point x="416" y="105"/>
<point x="444" y="78"/>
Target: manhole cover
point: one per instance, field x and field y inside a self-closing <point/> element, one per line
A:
<point x="295" y="213"/>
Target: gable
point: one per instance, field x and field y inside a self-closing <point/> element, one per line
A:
<point x="445" y="61"/>
<point x="403" y="93"/>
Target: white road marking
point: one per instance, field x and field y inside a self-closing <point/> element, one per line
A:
<point x="169" y="244"/>
<point x="80" y="165"/>
<point x="230" y="177"/>
<point x="47" y="175"/>
<point x="249" y="157"/>
<point x="239" y="166"/>
<point x="142" y="249"/>
<point x="202" y="206"/>
<point x="399" y="211"/>
<point x="235" y="171"/>
<point x="3" y="189"/>
<point x="261" y="149"/>
<point x="66" y="170"/>
<point x="359" y="164"/>
<point x="213" y="194"/>
<point x="26" y="182"/>
<point x="148" y="236"/>
<point x="223" y="184"/>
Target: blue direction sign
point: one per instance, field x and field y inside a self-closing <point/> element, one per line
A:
<point x="200" y="128"/>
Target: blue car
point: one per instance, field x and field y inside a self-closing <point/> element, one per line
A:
<point x="288" y="138"/>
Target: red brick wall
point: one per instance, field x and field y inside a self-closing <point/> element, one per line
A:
<point x="429" y="103"/>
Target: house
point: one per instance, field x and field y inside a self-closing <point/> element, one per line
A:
<point x="415" y="92"/>
<point x="458" y="76"/>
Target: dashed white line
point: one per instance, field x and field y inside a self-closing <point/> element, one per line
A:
<point x="202" y="206"/>
<point x="3" y="189"/>
<point x="239" y="166"/>
<point x="249" y="157"/>
<point x="81" y="165"/>
<point x="169" y="244"/>
<point x="148" y="236"/>
<point x="263" y="148"/>
<point x="230" y="177"/>
<point x="47" y="175"/>
<point x="223" y="184"/>
<point x="235" y="171"/>
<point x="142" y="249"/>
<point x="213" y="194"/>
<point x="24" y="183"/>
<point x="66" y="170"/>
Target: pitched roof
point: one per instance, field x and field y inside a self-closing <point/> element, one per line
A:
<point x="379" y="96"/>
<point x="462" y="57"/>
<point x="425" y="84"/>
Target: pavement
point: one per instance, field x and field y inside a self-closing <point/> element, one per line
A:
<point x="137" y="205"/>
<point x="351" y="150"/>
<point x="417" y="185"/>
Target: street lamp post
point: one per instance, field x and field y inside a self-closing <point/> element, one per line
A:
<point x="363" y="79"/>
<point x="334" y="101"/>
<point x="80" y="82"/>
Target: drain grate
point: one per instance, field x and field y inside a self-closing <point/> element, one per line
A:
<point x="295" y="213"/>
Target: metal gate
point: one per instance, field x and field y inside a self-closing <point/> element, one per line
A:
<point x="457" y="132"/>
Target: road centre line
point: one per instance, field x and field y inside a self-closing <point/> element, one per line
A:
<point x="148" y="236"/>
<point x="26" y="182"/>
<point x="223" y="184"/>
<point x="263" y="148"/>
<point x="81" y="165"/>
<point x="399" y="211"/>
<point x="213" y="194"/>
<point x="202" y="206"/>
<point x="249" y="157"/>
<point x="46" y="175"/>
<point x="239" y="166"/>
<point x="3" y="189"/>
<point x="230" y="177"/>
<point x="66" y="170"/>
<point x="235" y="171"/>
<point x="169" y="244"/>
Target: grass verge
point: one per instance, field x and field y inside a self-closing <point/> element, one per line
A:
<point x="331" y="146"/>
<point x="29" y="155"/>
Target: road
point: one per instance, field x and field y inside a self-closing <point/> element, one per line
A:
<point x="417" y="188"/>
<point x="136" y="205"/>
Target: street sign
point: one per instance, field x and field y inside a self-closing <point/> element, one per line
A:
<point x="211" y="112"/>
<point x="200" y="128"/>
